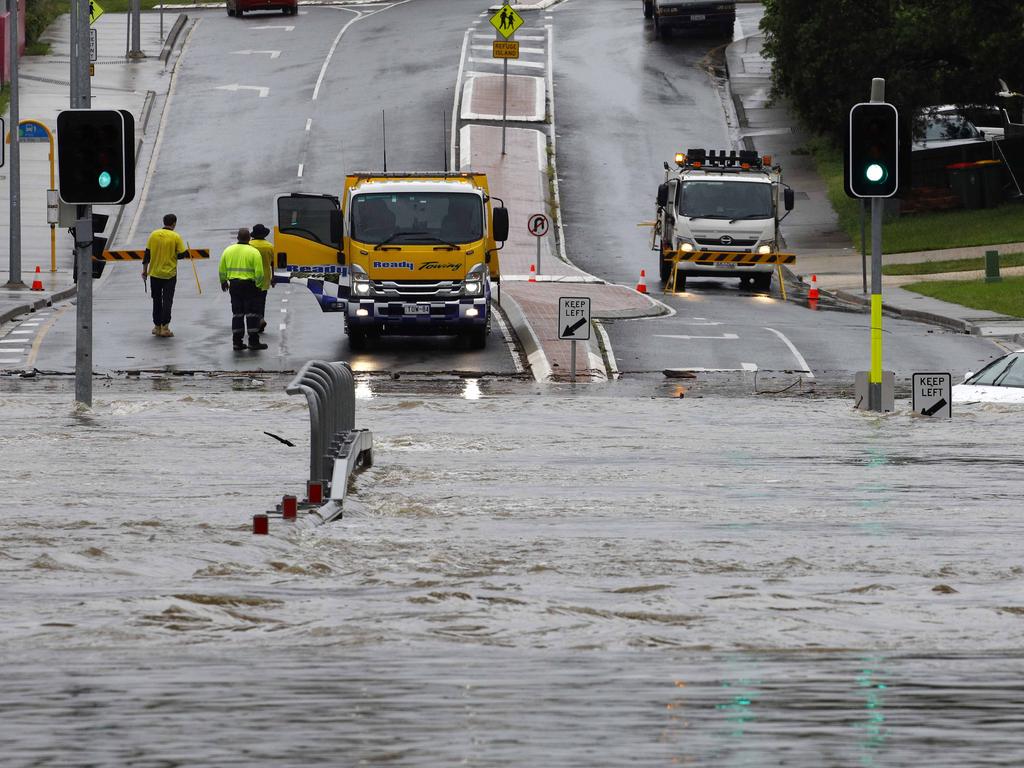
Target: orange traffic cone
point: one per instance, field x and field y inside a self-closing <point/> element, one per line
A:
<point x="533" y="273"/>
<point x="813" y="293"/>
<point x="641" y="287"/>
<point x="37" y="284"/>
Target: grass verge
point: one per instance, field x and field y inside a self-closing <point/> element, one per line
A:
<point x="919" y="231"/>
<point x="1006" y="297"/>
<point x="950" y="265"/>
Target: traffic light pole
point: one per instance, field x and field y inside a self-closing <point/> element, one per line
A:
<point x="81" y="98"/>
<point x="877" y="208"/>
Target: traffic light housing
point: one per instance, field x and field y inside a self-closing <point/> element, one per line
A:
<point x="872" y="151"/>
<point x="99" y="245"/>
<point x="96" y="156"/>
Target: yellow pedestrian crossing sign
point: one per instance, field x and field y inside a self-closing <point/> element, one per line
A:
<point x="95" y="11"/>
<point x="506" y="21"/>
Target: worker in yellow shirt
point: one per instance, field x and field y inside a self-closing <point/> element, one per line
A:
<point x="259" y="242"/>
<point x="160" y="265"/>
<point x="241" y="273"/>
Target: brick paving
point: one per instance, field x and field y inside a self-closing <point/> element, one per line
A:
<point x="482" y="97"/>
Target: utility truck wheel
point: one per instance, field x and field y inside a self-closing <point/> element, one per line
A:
<point x="666" y="271"/>
<point x="763" y="282"/>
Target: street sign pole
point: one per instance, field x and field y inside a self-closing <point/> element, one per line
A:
<point x="572" y="365"/>
<point x="14" y="182"/>
<point x="877" y="207"/>
<point x="504" y="102"/>
<point x="81" y="99"/>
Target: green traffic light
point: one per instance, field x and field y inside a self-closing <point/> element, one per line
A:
<point x="875" y="173"/>
<point x="104" y="180"/>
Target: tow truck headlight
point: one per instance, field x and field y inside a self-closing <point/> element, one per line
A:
<point x="361" y="285"/>
<point x="474" y="282"/>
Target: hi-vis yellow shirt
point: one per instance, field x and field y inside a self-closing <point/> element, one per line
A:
<point x="164" y="245"/>
<point x="267" y="252"/>
<point x="241" y="262"/>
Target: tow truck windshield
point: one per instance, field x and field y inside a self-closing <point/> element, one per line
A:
<point x="725" y="200"/>
<point x="417" y="218"/>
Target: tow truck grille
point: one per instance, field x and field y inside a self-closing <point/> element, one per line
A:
<point x="418" y="290"/>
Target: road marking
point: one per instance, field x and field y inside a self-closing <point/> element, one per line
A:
<point x="286" y="28"/>
<point x="678" y="336"/>
<point x="282" y="326"/>
<point x="521" y="50"/>
<point x="518" y="37"/>
<point x="263" y="90"/>
<point x="273" y="54"/>
<point x="38" y="342"/>
<point x="309" y="123"/>
<point x="796" y="354"/>
<point x="8" y="360"/>
<point x="746" y="367"/>
<point x="613" y="367"/>
<point x="14" y="332"/>
<point x="511" y="63"/>
<point x="28" y="325"/>
<point x="22" y="342"/>
<point x="507" y="334"/>
<point x="300" y="170"/>
<point x="334" y="45"/>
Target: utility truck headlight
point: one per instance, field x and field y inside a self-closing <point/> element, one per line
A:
<point x="767" y="248"/>
<point x="686" y="246"/>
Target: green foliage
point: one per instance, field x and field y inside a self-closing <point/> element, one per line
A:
<point x="1006" y="297"/>
<point x="39" y="14"/>
<point x="950" y="265"/>
<point x="824" y="54"/>
<point x="919" y="231"/>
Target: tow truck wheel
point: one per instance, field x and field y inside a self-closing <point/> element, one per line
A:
<point x="477" y="338"/>
<point x="357" y="339"/>
<point x="666" y="271"/>
<point x="648" y="8"/>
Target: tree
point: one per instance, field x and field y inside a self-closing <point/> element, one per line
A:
<point x="930" y="52"/>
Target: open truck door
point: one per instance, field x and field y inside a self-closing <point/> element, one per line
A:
<point x="309" y="247"/>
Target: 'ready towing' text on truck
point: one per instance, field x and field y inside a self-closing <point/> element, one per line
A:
<point x="718" y="216"/>
<point x="397" y="253"/>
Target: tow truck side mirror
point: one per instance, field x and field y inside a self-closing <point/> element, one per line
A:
<point x="788" y="198"/>
<point x="499" y="224"/>
<point x="663" y="195"/>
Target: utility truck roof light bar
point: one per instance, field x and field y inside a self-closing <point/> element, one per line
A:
<point x="744" y="158"/>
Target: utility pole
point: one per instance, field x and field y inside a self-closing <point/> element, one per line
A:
<point x="877" y="210"/>
<point x="81" y="98"/>
<point x="14" y="182"/>
<point x="136" y="23"/>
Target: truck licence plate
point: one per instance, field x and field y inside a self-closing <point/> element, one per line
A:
<point x="417" y="309"/>
<point x="698" y="17"/>
<point x="724" y="265"/>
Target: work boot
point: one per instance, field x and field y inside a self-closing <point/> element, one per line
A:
<point x="239" y="345"/>
<point x="263" y="325"/>
<point x="165" y="331"/>
<point x="255" y="343"/>
<point x="156" y="330"/>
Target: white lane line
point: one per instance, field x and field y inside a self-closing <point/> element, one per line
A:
<point x="509" y="341"/>
<point x="10" y="360"/>
<point x="21" y="332"/>
<point x="28" y="325"/>
<point x="282" y="326"/>
<point x="285" y="27"/>
<point x="300" y="170"/>
<point x="748" y="367"/>
<point x="511" y="63"/>
<point x="309" y="123"/>
<point x="22" y="342"/>
<point x="284" y="301"/>
<point x="518" y="37"/>
<point x="334" y="46"/>
<point x="521" y="50"/>
<point x="796" y="353"/>
<point x="678" y="336"/>
<point x="283" y="309"/>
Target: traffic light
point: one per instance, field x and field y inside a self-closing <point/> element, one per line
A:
<point x="96" y="156"/>
<point x="99" y="245"/>
<point x="872" y="151"/>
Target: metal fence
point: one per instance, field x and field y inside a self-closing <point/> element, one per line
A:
<point x="330" y="393"/>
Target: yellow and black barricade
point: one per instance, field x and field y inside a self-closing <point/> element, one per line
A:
<point x="732" y="257"/>
<point x="193" y="253"/>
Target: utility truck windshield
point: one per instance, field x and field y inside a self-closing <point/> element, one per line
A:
<point x="417" y="218"/>
<point x="707" y="199"/>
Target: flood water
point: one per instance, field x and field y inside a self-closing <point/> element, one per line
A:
<point x="524" y="578"/>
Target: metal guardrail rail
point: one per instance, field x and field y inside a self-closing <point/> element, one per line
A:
<point x="336" y="447"/>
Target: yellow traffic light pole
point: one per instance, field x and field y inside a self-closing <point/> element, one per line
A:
<point x="53" y="185"/>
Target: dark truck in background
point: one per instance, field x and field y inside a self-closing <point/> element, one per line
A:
<point x="670" y="15"/>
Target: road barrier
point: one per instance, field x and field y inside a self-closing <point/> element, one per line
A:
<point x="336" y="447"/>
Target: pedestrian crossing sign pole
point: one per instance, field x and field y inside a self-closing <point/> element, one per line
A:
<point x="505" y="22"/>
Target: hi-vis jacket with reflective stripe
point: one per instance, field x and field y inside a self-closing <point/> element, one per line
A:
<point x="241" y="262"/>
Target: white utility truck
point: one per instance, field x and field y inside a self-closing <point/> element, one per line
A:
<point x="718" y="216"/>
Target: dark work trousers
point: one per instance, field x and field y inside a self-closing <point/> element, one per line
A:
<point x="162" y="289"/>
<point x="262" y="304"/>
<point x="245" y="310"/>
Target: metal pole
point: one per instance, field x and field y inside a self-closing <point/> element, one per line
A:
<point x="863" y="245"/>
<point x="136" y="52"/>
<point x="161" y="23"/>
<point x="538" y="256"/>
<point x="14" y="183"/>
<point x="81" y="99"/>
<point x="504" y="102"/>
<point x="572" y="365"/>
<point x="877" y="205"/>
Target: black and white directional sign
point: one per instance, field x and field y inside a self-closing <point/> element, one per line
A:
<point x="933" y="393"/>
<point x="538" y="225"/>
<point x="574" y="318"/>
